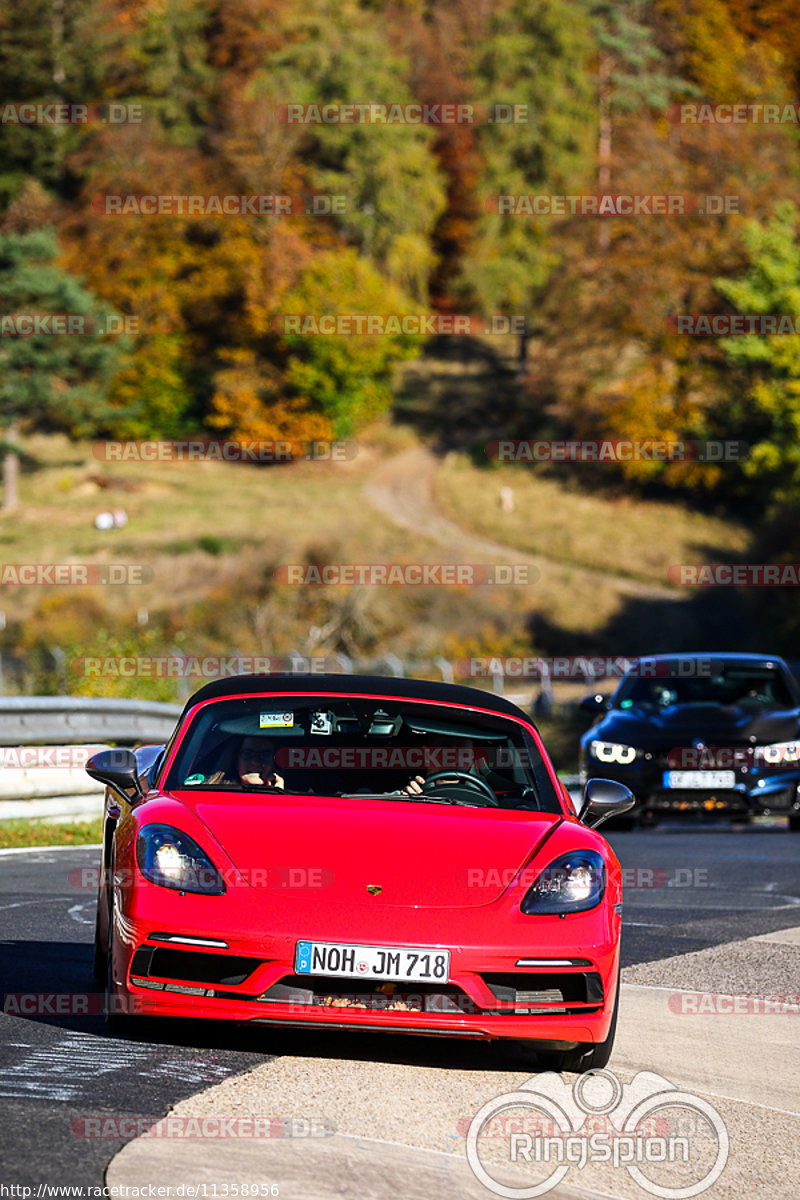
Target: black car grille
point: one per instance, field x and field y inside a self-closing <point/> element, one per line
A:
<point x="780" y="801"/>
<point x="328" y="992"/>
<point x="192" y="966"/>
<point x="546" y="991"/>
<point x="555" y="993"/>
<point x="699" y="799"/>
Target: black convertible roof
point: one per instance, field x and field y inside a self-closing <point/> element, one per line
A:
<point x="379" y="685"/>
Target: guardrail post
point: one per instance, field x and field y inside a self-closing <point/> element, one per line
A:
<point x="445" y="667"/>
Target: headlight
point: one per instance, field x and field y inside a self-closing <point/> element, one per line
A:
<point x="609" y="752"/>
<point x="174" y="860"/>
<point x="572" y="883"/>
<point x="781" y="752"/>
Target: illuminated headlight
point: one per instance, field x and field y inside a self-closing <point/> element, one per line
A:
<point x="572" y="883"/>
<point x="174" y="860"/>
<point x="781" y="752"/>
<point x="609" y="752"/>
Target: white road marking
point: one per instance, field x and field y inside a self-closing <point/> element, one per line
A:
<point x="75" y="911"/>
<point x="62" y="1071"/>
<point x="50" y="849"/>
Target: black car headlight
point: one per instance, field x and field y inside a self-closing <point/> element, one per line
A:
<point x="174" y="860"/>
<point x="573" y="882"/>
<point x="612" y="752"/>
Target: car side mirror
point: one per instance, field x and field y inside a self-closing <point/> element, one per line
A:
<point x="117" y="769"/>
<point x="604" y="798"/>
<point x="148" y="761"/>
<point x="595" y="704"/>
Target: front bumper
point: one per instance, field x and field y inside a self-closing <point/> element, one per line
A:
<point x="755" y="792"/>
<point x="565" y="996"/>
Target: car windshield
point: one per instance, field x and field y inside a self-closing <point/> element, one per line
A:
<point x="337" y="746"/>
<point x="743" y="685"/>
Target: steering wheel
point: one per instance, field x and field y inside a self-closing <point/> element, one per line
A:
<point x="472" y="781"/>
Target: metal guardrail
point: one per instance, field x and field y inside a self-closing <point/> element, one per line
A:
<point x="55" y="793"/>
<point x="68" y="720"/>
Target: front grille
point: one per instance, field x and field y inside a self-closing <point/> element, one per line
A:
<point x="780" y="801"/>
<point x="698" y="800"/>
<point x="550" y="988"/>
<point x="319" y="992"/>
<point x="192" y="966"/>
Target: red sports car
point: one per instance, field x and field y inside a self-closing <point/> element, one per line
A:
<point x="363" y="853"/>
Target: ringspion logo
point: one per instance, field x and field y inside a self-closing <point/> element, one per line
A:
<point x="551" y="1126"/>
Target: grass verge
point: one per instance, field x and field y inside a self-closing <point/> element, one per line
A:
<point x="633" y="538"/>
<point x="21" y="832"/>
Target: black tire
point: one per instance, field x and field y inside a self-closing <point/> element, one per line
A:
<point x="794" y="822"/>
<point x="116" y="1022"/>
<point x="587" y="1056"/>
<point x="99" y="965"/>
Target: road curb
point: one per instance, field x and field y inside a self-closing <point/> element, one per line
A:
<point x="695" y="1053"/>
<point x="339" y="1167"/>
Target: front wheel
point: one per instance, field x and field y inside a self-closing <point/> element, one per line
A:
<point x="116" y="1020"/>
<point x="587" y="1056"/>
<point x="99" y="968"/>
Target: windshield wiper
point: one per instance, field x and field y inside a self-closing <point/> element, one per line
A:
<point x="418" y="799"/>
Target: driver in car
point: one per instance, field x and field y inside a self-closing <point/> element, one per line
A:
<point x="254" y="765"/>
<point x="471" y="761"/>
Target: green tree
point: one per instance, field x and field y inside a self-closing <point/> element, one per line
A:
<point x="537" y="55"/>
<point x="327" y="385"/>
<point x="48" y="380"/>
<point x="49" y="53"/>
<point x="333" y="51"/>
<point x="766" y="409"/>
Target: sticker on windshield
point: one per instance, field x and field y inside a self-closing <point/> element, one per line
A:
<point x="321" y="722"/>
<point x="276" y="720"/>
<point x="194" y="779"/>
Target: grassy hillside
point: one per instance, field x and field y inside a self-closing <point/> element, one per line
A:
<point x="212" y="535"/>
<point x="633" y="538"/>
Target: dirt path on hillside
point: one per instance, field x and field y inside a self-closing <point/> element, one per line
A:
<point x="403" y="489"/>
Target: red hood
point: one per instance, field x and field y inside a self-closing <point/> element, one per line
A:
<point x="418" y="854"/>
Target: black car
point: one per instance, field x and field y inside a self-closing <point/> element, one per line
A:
<point x="701" y="733"/>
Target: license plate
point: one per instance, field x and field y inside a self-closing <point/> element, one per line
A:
<point x="372" y="962"/>
<point x="699" y="779"/>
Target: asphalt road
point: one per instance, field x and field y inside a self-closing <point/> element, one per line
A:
<point x="691" y="888"/>
<point x="686" y="890"/>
